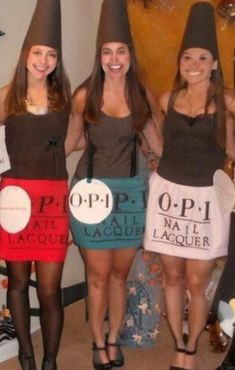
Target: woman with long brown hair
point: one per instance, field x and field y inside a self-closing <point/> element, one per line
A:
<point x="34" y="109"/>
<point x="108" y="199"/>
<point x="187" y="219"/>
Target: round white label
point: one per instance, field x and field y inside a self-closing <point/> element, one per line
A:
<point x="90" y="202"/>
<point x="224" y="188"/>
<point x="15" y="209"/>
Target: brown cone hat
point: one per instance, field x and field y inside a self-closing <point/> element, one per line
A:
<point x="45" y="26"/>
<point x="200" y="29"/>
<point x="113" y="24"/>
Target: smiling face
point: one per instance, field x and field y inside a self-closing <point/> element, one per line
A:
<point x="115" y="59"/>
<point x="41" y="61"/>
<point x="196" y="65"/>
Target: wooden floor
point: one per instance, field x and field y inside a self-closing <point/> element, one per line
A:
<point x="75" y="351"/>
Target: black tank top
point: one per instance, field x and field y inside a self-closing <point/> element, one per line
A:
<point x="35" y="144"/>
<point x="191" y="153"/>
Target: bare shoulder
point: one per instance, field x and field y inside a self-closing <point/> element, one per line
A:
<point x="151" y="97"/>
<point x="153" y="101"/>
<point x="3" y="94"/>
<point x="164" y="100"/>
<point x="230" y="100"/>
<point x="79" y="99"/>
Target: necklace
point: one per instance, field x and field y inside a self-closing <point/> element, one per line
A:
<point x="194" y="109"/>
<point x="34" y="108"/>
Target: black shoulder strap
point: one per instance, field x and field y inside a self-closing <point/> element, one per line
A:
<point x="134" y="157"/>
<point x="92" y="150"/>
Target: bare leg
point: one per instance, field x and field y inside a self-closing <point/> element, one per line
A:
<point x="174" y="290"/>
<point x="198" y="273"/>
<point x="98" y="267"/>
<point x="51" y="312"/>
<point x="121" y="263"/>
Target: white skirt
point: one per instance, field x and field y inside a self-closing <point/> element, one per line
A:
<point x="185" y="221"/>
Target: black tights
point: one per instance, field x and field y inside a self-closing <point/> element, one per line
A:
<point x="48" y="276"/>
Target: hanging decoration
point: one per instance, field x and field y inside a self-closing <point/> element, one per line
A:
<point x="226" y="9"/>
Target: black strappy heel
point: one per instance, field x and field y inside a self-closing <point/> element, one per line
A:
<point x="190" y="353"/>
<point x="97" y="364"/>
<point x="119" y="361"/>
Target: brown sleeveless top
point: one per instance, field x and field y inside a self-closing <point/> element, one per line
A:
<point x="35" y="144"/>
<point x="191" y="154"/>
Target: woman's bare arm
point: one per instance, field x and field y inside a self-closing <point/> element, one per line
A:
<point x="75" y="138"/>
<point x="3" y="94"/>
<point x="230" y="125"/>
<point x="153" y="130"/>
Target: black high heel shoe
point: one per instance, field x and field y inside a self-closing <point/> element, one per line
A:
<point x="97" y="364"/>
<point x="119" y="361"/>
<point x="27" y="362"/>
<point x="49" y="363"/>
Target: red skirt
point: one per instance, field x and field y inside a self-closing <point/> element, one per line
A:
<point x="34" y="220"/>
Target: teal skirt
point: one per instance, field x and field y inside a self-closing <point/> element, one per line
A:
<point x="124" y="225"/>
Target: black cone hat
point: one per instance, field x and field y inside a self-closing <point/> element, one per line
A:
<point x="45" y="26"/>
<point x="200" y="31"/>
<point x="113" y="24"/>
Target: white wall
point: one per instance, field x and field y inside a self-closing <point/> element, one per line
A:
<point x="79" y="25"/>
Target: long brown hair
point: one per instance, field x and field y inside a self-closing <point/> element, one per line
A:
<point x="58" y="87"/>
<point x="215" y="94"/>
<point x="135" y="93"/>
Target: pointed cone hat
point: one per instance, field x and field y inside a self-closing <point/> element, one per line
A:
<point x="45" y="26"/>
<point x="113" y="24"/>
<point x="200" y="31"/>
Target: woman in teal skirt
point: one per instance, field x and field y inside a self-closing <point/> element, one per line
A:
<point x="108" y="198"/>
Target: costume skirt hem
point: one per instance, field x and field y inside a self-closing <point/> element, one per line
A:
<point x="48" y="258"/>
<point x="174" y="253"/>
<point x="106" y="247"/>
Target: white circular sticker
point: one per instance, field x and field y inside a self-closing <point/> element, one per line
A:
<point x="15" y="209"/>
<point x="224" y="188"/>
<point x="90" y="202"/>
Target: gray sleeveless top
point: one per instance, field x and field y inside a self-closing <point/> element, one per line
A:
<point x="111" y="147"/>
